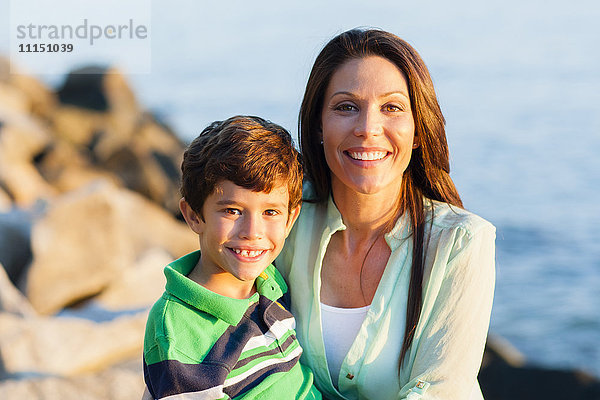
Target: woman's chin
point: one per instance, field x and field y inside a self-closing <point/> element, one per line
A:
<point x="368" y="186"/>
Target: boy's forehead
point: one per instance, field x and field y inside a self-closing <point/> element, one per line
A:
<point x="227" y="191"/>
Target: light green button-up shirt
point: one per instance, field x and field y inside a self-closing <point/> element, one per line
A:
<point x="445" y="355"/>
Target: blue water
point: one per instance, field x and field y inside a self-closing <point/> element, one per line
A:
<point x="519" y="83"/>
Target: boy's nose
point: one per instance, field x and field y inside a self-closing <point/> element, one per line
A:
<point x="252" y="228"/>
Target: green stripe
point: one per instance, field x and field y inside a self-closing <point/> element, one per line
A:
<point x="261" y="349"/>
<point x="253" y="363"/>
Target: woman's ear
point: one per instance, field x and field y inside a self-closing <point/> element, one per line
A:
<point x="194" y="221"/>
<point x="416" y="143"/>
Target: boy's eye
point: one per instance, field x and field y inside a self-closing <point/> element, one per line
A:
<point x="272" y="212"/>
<point x="233" y="211"/>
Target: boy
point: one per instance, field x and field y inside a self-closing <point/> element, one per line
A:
<point x="219" y="330"/>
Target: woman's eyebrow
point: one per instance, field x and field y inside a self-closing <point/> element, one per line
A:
<point x="387" y="94"/>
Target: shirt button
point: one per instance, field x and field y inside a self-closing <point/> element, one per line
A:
<point x="350" y="376"/>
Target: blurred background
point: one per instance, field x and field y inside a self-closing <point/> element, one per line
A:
<point x="519" y="85"/>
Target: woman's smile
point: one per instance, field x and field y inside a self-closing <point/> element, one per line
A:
<point x="366" y="158"/>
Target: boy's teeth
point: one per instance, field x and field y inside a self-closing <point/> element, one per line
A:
<point x="368" y="156"/>
<point x="249" y="253"/>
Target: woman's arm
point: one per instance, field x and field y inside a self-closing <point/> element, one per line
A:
<point x="448" y="352"/>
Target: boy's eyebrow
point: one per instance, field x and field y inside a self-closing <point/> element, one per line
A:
<point x="231" y="202"/>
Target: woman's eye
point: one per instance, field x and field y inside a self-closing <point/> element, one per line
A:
<point x="271" y="212"/>
<point x="392" y="108"/>
<point x="233" y="211"/>
<point x="345" y="107"/>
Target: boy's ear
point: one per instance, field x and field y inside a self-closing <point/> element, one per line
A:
<point x="193" y="220"/>
<point x="291" y="219"/>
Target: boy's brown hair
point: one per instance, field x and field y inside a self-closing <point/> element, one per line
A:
<point x="249" y="151"/>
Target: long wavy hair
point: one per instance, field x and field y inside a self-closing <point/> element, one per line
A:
<point x="428" y="173"/>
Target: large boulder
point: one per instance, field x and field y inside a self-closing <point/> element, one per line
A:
<point x="101" y="97"/>
<point x="116" y="383"/>
<point x="65" y="346"/>
<point x="15" y="242"/>
<point x="505" y="375"/>
<point x="5" y="200"/>
<point x="139" y="286"/>
<point x="11" y="299"/>
<point x="22" y="139"/>
<point x="24" y="93"/>
<point x="89" y="236"/>
<point x="100" y="117"/>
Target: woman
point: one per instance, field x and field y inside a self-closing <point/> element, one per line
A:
<point x="391" y="280"/>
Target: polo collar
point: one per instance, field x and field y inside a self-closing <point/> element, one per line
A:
<point x="225" y="308"/>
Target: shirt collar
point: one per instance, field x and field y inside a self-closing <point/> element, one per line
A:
<point x="394" y="238"/>
<point x="225" y="308"/>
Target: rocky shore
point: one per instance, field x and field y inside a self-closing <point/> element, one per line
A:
<point x="88" y="219"/>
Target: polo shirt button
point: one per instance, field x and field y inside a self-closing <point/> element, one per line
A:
<point x="350" y="376"/>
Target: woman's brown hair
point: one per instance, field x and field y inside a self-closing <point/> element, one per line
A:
<point x="428" y="173"/>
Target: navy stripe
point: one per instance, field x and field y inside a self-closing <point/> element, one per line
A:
<point x="170" y="377"/>
<point x="255" y="379"/>
<point x="277" y="350"/>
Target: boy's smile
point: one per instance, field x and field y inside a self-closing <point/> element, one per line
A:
<point x="241" y="232"/>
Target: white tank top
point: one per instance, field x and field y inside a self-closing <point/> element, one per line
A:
<point x="340" y="327"/>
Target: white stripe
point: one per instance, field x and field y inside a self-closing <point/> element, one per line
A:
<point x="213" y="393"/>
<point x="277" y="331"/>
<point x="271" y="361"/>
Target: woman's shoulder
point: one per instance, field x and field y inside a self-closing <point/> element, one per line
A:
<point x="446" y="216"/>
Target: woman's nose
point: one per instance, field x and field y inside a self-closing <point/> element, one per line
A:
<point x="369" y="123"/>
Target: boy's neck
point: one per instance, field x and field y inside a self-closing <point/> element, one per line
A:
<point x="223" y="283"/>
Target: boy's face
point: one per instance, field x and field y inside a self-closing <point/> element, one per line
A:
<point x="242" y="232"/>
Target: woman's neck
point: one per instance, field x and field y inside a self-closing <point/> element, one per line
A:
<point x="365" y="215"/>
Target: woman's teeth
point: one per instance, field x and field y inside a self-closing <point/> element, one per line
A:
<point x="249" y="253"/>
<point x="367" y="156"/>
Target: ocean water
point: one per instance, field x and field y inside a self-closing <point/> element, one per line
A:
<point x="519" y="84"/>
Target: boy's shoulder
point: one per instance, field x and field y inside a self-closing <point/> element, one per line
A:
<point x="176" y="330"/>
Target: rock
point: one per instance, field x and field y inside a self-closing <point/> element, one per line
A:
<point x="103" y="92"/>
<point x="11" y="299"/>
<point x="22" y="139"/>
<point x="12" y="99"/>
<point x="149" y="164"/>
<point x="5" y="201"/>
<point x="41" y="100"/>
<point x="15" y="242"/>
<point x="67" y="346"/>
<point x="116" y="383"/>
<point x="101" y="118"/>
<point x="498" y="349"/>
<point x="78" y="126"/>
<point x="505" y="376"/>
<point x="66" y="168"/>
<point x="24" y="93"/>
<point x="88" y="236"/>
<point x="83" y="88"/>
<point x="139" y="286"/>
<point x="78" y="246"/>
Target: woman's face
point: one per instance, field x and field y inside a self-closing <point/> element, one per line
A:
<point x="367" y="126"/>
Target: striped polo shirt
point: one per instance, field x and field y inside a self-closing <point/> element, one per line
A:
<point x="201" y="345"/>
